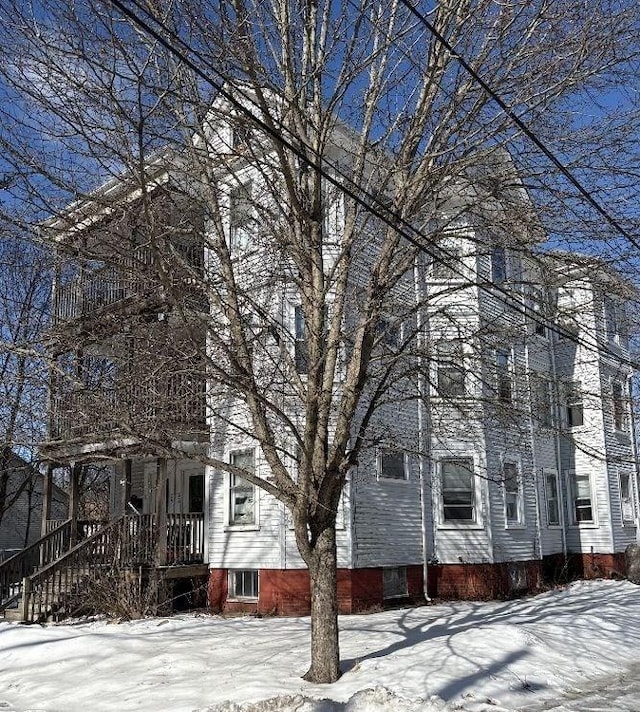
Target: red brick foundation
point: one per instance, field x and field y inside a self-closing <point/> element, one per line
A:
<point x="286" y="592"/>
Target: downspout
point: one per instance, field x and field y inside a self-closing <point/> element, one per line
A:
<point x="634" y="451"/>
<point x="424" y="460"/>
<point x="562" y="506"/>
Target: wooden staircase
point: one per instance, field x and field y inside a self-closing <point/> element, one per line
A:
<point x="54" y="577"/>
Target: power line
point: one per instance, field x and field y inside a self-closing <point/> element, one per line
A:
<point x="391" y="218"/>
<point x="586" y="194"/>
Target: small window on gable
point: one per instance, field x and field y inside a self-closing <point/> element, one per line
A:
<point x="619" y="403"/>
<point x="242" y="494"/>
<point x="394" y="582"/>
<point x="240" y="215"/>
<point x="458" y="491"/>
<point x="504" y="385"/>
<point x="552" y="498"/>
<point x="498" y="264"/>
<point x="512" y="493"/>
<point x="243" y="584"/>
<point x="574" y="407"/>
<point x="451" y="370"/>
<point x="392" y="465"/>
<point x="626" y="498"/>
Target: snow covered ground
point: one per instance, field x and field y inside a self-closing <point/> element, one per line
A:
<point x="562" y="651"/>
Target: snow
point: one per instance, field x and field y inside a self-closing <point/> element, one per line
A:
<point x="552" y="651"/>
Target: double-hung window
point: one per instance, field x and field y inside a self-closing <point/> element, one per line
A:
<point x="447" y="264"/>
<point x="619" y="403"/>
<point x="541" y="401"/>
<point x="498" y="264"/>
<point x="626" y="498"/>
<point x="240" y="215"/>
<point x="451" y="372"/>
<point x="242" y="494"/>
<point x="574" y="407"/>
<point x="512" y="493"/>
<point x="582" y="498"/>
<point x="552" y="498"/>
<point x="458" y="491"/>
<point x="300" y="340"/>
<point x="504" y="385"/>
<point x="540" y="311"/>
<point x="615" y="321"/>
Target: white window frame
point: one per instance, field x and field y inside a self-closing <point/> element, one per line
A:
<point x="380" y="457"/>
<point x="450" y="357"/>
<point x="394" y="582"/>
<point x="230" y="489"/>
<point x="499" y="261"/>
<point x="541" y="400"/>
<point x="508" y="492"/>
<point x="504" y="374"/>
<point x="443" y="270"/>
<point x="231" y="584"/>
<point x="550" y="474"/>
<point x="240" y="231"/>
<point x="630" y="520"/>
<point x="476" y="520"/>
<point x="615" y="321"/>
<point x="573" y="401"/>
<point x="620" y="407"/>
<point x="573" y="487"/>
<point x="538" y="304"/>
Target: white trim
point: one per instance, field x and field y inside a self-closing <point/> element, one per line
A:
<point x="460" y="525"/>
<point x="520" y="523"/>
<point x="228" y="524"/>
<point x="405" y="464"/>
<point x="587" y="524"/>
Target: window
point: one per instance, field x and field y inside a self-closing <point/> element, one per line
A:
<point x="538" y="305"/>
<point x="615" y="321"/>
<point x="392" y="465"/>
<point x="619" y="406"/>
<point x="447" y="266"/>
<point x="242" y="497"/>
<point x="240" y="214"/>
<point x="498" y="264"/>
<point x="581" y="493"/>
<point x="241" y="136"/>
<point x="389" y="333"/>
<point x="551" y="498"/>
<point x="196" y="493"/>
<point x="450" y="364"/>
<point x="574" y="409"/>
<point x="394" y="582"/>
<point x="541" y="401"/>
<point x="503" y="376"/>
<point x="243" y="584"/>
<point x="626" y="498"/>
<point x="300" y="355"/>
<point x="458" y="491"/>
<point x="512" y="493"/>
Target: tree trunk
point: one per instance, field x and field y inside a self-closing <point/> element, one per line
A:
<point x="325" y="652"/>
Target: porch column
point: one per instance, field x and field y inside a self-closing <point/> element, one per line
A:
<point x="125" y="490"/>
<point x="47" y="480"/>
<point x="74" y="495"/>
<point x="161" y="511"/>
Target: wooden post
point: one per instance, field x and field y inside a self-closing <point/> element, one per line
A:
<point x="47" y="480"/>
<point x="161" y="511"/>
<point x="125" y="491"/>
<point x="74" y="492"/>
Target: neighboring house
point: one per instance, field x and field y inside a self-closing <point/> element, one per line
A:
<point x="22" y="521"/>
<point x="516" y="460"/>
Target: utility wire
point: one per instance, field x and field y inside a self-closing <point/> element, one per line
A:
<point x="391" y="218"/>
<point x="586" y="194"/>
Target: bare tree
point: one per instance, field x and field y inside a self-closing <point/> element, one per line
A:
<point x="331" y="150"/>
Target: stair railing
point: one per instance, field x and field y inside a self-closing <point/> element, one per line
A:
<point x="41" y="553"/>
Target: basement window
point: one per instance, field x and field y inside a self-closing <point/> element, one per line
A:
<point x="394" y="582"/>
<point x="243" y="584"/>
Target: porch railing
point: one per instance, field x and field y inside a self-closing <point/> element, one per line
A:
<point x="130" y="276"/>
